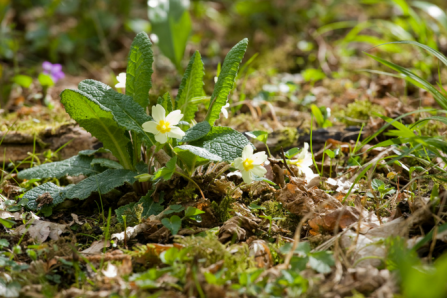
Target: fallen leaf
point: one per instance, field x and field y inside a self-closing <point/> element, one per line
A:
<point x="41" y="230"/>
<point x="96" y="247"/>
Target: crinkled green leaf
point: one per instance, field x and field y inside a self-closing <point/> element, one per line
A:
<point x="132" y="211"/>
<point x="167" y="171"/>
<point x="57" y="193"/>
<point x="104" y="162"/>
<point x="173" y="224"/>
<point x="73" y="166"/>
<point x="148" y="205"/>
<point x="166" y="102"/>
<point x="139" y="69"/>
<point x="190" y="87"/>
<point x="128" y="114"/>
<point x="98" y="120"/>
<point x="226" y="80"/>
<point x="93" y="152"/>
<point x="224" y="142"/>
<point x="196" y="132"/>
<point x="193" y="157"/>
<point x="102" y="183"/>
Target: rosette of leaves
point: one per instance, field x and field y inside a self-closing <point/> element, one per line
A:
<point x="116" y="120"/>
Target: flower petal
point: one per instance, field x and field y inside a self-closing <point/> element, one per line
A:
<point x="174" y="117"/>
<point x="150" y="126"/>
<point x="158" y="113"/>
<point x="161" y="138"/>
<point x="246" y="176"/>
<point x="259" y="171"/>
<point x="237" y="163"/>
<point x="176" y="132"/>
<point x="259" y="158"/>
<point x="224" y="110"/>
<point x="247" y="152"/>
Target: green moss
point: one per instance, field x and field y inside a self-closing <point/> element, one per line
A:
<point x="288" y="136"/>
<point x="360" y="110"/>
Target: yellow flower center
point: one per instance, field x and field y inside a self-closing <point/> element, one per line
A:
<point x="163" y="126"/>
<point x="296" y="162"/>
<point x="248" y="164"/>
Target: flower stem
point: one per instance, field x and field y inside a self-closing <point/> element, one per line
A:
<point x="191" y="180"/>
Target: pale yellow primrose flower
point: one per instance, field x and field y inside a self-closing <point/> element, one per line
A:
<point x="250" y="164"/>
<point x="121" y="80"/>
<point x="303" y="162"/>
<point x="163" y="126"/>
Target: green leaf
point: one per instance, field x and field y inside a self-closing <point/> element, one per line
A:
<point x="93" y="152"/>
<point x="192" y="211"/>
<point x="128" y="114"/>
<point x="224" y="142"/>
<point x="73" y="166"/>
<point x="150" y="207"/>
<point x="173" y="224"/>
<point x="166" y="102"/>
<point x="416" y="80"/>
<point x="167" y="171"/>
<point x="190" y="87"/>
<point x="7" y="223"/>
<point x="226" y="80"/>
<point x="104" y="162"/>
<point x="196" y="132"/>
<point x="58" y="194"/>
<point x="4" y="243"/>
<point x="330" y="153"/>
<point x="102" y="183"/>
<point x="259" y="135"/>
<point x="172" y="24"/>
<point x="45" y="80"/>
<point x="174" y="209"/>
<point x="22" y="80"/>
<point x="292" y="152"/>
<point x="139" y="69"/>
<point x="97" y="120"/>
<point x="321" y="261"/>
<point x="193" y="157"/>
<point x="132" y="211"/>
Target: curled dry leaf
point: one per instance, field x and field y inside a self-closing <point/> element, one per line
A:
<point x="41" y="230"/>
<point x="96" y="247"/>
<point x="260" y="251"/>
<point x="239" y="227"/>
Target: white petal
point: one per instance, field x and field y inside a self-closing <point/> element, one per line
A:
<point x="259" y="171"/>
<point x="307" y="162"/>
<point x="259" y="158"/>
<point x="247" y="177"/>
<point x="111" y="271"/>
<point x="150" y="126"/>
<point x="158" y="113"/>
<point x="237" y="163"/>
<point x="247" y="152"/>
<point x="174" y="117"/>
<point x="176" y="132"/>
<point x="121" y="80"/>
<point x="161" y="138"/>
<point x="224" y="110"/>
<point x="307" y="172"/>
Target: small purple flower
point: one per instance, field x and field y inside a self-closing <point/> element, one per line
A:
<point x="54" y="70"/>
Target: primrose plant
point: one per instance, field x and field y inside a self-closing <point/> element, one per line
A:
<point x="147" y="148"/>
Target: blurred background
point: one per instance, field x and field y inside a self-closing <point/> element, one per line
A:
<point x="294" y="45"/>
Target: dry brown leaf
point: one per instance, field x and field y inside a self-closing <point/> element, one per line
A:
<point x="238" y="227"/>
<point x="41" y="230"/>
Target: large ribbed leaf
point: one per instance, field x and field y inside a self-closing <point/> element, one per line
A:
<point x="56" y="192"/>
<point x="97" y="120"/>
<point x="102" y="183"/>
<point x="73" y="166"/>
<point x="193" y="157"/>
<point x="196" y="132"/>
<point x="139" y="69"/>
<point x="226" y="80"/>
<point x="224" y="142"/>
<point x="190" y="87"/>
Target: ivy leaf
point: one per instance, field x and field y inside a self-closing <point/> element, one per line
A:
<point x="170" y="21"/>
<point x="97" y="120"/>
<point x="173" y="224"/>
<point x="190" y="87"/>
<point x="224" y="142"/>
<point x="132" y="211"/>
<point x="196" y="132"/>
<point x="166" y="102"/>
<point x="193" y="213"/>
<point x="102" y="183"/>
<point x="57" y="193"/>
<point x="105" y="162"/>
<point x="139" y="69"/>
<point x="226" y="80"/>
<point x="150" y="207"/>
<point x="193" y="157"/>
<point x="174" y="209"/>
<point x="321" y="261"/>
<point x="73" y="166"/>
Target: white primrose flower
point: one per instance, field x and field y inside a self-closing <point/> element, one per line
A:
<point x="303" y="161"/>
<point x="111" y="271"/>
<point x="121" y="80"/>
<point x="224" y="110"/>
<point x="250" y="164"/>
<point x="163" y="127"/>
